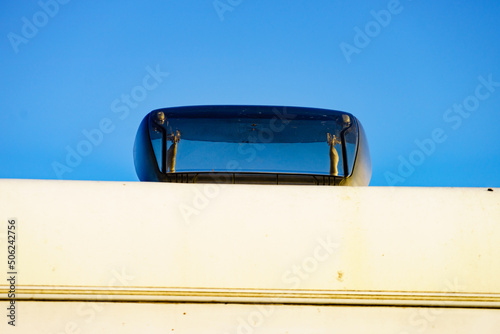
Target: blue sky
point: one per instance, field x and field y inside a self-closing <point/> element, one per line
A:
<point x="422" y="76"/>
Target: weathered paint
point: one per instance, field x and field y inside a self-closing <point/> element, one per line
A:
<point x="114" y="241"/>
<point x="133" y="318"/>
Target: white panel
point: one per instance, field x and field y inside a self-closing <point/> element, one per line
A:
<point x="254" y="238"/>
<point x="124" y="318"/>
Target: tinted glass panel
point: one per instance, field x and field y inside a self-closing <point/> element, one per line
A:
<point x="252" y="139"/>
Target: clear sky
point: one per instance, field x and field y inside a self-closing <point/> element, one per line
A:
<point x="423" y="77"/>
